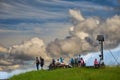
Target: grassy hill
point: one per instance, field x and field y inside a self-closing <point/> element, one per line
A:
<point x="109" y="73"/>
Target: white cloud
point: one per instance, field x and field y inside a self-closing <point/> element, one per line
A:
<point x="76" y="14"/>
<point x="31" y="48"/>
<point x="45" y="10"/>
<point x="83" y="35"/>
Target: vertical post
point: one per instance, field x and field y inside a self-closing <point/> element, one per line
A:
<point x="101" y="59"/>
<point x="100" y="38"/>
<point x="102" y="50"/>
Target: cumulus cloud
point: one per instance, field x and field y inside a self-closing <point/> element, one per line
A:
<point x="84" y="29"/>
<point x="111" y="30"/>
<point x="83" y="35"/>
<point x="25" y="17"/>
<point x="29" y="49"/>
<point x="63" y="47"/>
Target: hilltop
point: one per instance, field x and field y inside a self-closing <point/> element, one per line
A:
<point x="109" y="73"/>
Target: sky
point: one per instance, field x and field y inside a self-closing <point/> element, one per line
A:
<point x="21" y="20"/>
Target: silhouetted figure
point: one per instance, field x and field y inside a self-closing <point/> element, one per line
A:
<point x="52" y="64"/>
<point x="41" y="62"/>
<point x="96" y="63"/>
<point x="37" y="63"/>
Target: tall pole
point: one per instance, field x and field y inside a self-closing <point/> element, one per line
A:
<point x="101" y="58"/>
<point x="100" y="38"/>
<point x="102" y="50"/>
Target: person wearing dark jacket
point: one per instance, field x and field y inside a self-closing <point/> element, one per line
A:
<point x="41" y="62"/>
<point x="37" y="63"/>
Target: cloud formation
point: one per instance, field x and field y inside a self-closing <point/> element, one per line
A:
<point x="28" y="16"/>
<point x="29" y="50"/>
<point x="83" y="35"/>
<point x="76" y="15"/>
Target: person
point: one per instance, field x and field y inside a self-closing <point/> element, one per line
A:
<point x="52" y="64"/>
<point x="41" y="62"/>
<point x="72" y="62"/>
<point x="82" y="63"/>
<point x="76" y="61"/>
<point x="37" y="63"/>
<point x="61" y="60"/>
<point x="96" y="63"/>
<point x="79" y="60"/>
<point x="57" y="62"/>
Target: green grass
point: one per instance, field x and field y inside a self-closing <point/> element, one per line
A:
<point x="109" y="73"/>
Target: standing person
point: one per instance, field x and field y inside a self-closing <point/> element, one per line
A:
<point x="72" y="62"/>
<point x="37" y="63"/>
<point x="41" y="62"/>
<point x="79" y="60"/>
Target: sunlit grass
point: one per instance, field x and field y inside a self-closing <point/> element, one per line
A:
<point x="109" y="73"/>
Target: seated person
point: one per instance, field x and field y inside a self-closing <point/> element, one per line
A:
<point x="96" y="63"/>
<point x="52" y="64"/>
<point x="57" y="62"/>
<point x="82" y="63"/>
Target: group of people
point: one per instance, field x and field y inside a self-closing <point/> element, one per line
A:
<point x="39" y="62"/>
<point x="73" y="62"/>
<point x="78" y="61"/>
<point x="57" y="63"/>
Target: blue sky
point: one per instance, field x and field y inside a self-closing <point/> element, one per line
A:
<point x="21" y="20"/>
